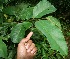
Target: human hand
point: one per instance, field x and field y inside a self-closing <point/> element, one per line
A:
<point x="26" y="48"/>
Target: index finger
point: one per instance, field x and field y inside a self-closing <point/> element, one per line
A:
<point x="27" y="38"/>
<point x="29" y="35"/>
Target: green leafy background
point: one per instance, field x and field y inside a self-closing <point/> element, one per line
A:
<point x="45" y="18"/>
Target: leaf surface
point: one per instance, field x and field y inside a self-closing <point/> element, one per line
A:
<point x="42" y="8"/>
<point x="15" y="10"/>
<point x="54" y="36"/>
<point x="26" y="14"/>
<point x="54" y="21"/>
<point x="18" y="31"/>
<point x="3" y="49"/>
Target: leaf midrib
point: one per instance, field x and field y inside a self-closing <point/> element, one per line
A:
<point x="52" y="37"/>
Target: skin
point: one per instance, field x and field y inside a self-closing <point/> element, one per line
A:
<point x="26" y="48"/>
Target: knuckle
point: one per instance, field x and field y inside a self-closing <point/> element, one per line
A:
<point x="30" y="40"/>
<point x="28" y="44"/>
<point x="24" y="38"/>
<point x="35" y="49"/>
<point x="33" y="44"/>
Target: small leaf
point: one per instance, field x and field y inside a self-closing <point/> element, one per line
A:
<point x="3" y="49"/>
<point x="54" y="36"/>
<point x="18" y="31"/>
<point x="42" y="8"/>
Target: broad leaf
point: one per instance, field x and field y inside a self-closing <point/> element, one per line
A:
<point x="20" y="11"/>
<point x="15" y="10"/>
<point x="55" y="21"/>
<point x="9" y="10"/>
<point x="19" y="8"/>
<point x="18" y="31"/>
<point x="26" y="14"/>
<point x="54" y="36"/>
<point x="3" y="1"/>
<point x="3" y="49"/>
<point x="42" y="8"/>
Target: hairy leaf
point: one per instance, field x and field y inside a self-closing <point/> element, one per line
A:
<point x="18" y="31"/>
<point x="54" y="36"/>
<point x="42" y="8"/>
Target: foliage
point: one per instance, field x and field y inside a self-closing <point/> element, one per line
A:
<point x="18" y="18"/>
<point x="47" y="29"/>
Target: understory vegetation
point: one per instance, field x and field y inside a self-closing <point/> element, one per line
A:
<point x="48" y="19"/>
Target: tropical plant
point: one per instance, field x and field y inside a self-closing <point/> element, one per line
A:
<point x="18" y="18"/>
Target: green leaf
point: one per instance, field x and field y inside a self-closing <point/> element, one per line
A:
<point x="42" y="8"/>
<point x="15" y="10"/>
<point x="11" y="53"/>
<point x="27" y="25"/>
<point x="6" y="1"/>
<point x="68" y="33"/>
<point x="20" y="11"/>
<point x="1" y="6"/>
<point x="27" y="13"/>
<point x="55" y="21"/>
<point x="3" y="1"/>
<point x="1" y="17"/>
<point x="9" y="10"/>
<point x="54" y="36"/>
<point x="18" y="31"/>
<point x="3" y="49"/>
<point x="19" y="8"/>
<point x="4" y="38"/>
<point x="45" y="56"/>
